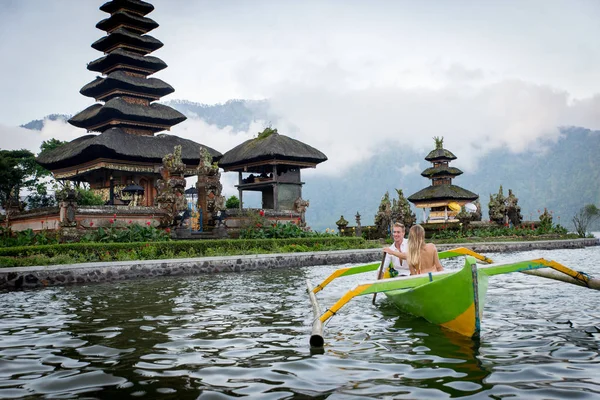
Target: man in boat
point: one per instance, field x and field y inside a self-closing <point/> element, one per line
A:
<point x="421" y="257"/>
<point x="398" y="258"/>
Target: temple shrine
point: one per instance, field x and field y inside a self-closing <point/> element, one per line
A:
<point x="441" y="196"/>
<point x="139" y="171"/>
<point x="123" y="147"/>
<point x="271" y="164"/>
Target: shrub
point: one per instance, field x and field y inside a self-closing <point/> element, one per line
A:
<point x="89" y="252"/>
<point x="232" y="202"/>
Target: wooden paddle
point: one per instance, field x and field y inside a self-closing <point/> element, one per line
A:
<point x="380" y="274"/>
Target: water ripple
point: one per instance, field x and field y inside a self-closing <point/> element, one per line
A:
<point x="228" y="335"/>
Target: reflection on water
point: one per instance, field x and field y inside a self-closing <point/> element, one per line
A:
<point x="247" y="335"/>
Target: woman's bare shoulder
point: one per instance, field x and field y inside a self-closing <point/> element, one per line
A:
<point x="430" y="246"/>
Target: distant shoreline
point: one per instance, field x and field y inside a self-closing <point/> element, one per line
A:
<point x="87" y="273"/>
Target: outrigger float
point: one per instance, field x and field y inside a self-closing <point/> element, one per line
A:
<point x="452" y="299"/>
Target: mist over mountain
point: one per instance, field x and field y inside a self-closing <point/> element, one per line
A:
<point x="238" y="114"/>
<point x="561" y="176"/>
<point x="38" y="124"/>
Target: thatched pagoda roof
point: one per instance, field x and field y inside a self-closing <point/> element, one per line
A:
<point x="132" y="22"/>
<point x="440" y="155"/>
<point x="272" y="147"/>
<point x="142" y="44"/>
<point x="98" y="117"/>
<point x="136" y="6"/>
<point x="442" y="193"/>
<point x="443" y="170"/>
<point x="118" y="83"/>
<point x="118" y="145"/>
<point x="123" y="59"/>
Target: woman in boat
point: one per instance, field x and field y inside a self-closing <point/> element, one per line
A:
<point x="422" y="257"/>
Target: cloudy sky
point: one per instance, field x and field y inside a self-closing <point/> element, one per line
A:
<point x="345" y="76"/>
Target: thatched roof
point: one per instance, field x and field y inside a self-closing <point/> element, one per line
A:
<point x="150" y="88"/>
<point x="133" y="22"/>
<point x="117" y="144"/>
<point x="145" y="43"/>
<point x="442" y="192"/>
<point x="119" y="109"/>
<point x="137" y="6"/>
<point x="440" y="154"/>
<point x="433" y="172"/>
<point x="124" y="58"/>
<point x="272" y="147"/>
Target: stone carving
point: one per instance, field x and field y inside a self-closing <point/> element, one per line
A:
<point x="300" y="206"/>
<point x="504" y="209"/>
<point x="358" y="229"/>
<point x="497" y="207"/>
<point x="171" y="188"/>
<point x="210" y="201"/>
<point x="513" y="210"/>
<point x="401" y="211"/>
<point x="383" y="218"/>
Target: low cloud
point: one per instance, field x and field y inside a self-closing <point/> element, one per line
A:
<point x="351" y="126"/>
<point x="220" y="139"/>
<point x="409" y="169"/>
<point x="14" y="137"/>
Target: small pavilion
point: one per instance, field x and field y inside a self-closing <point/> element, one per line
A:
<point x="271" y="164"/>
<point x="123" y="147"/>
<point x="441" y="193"/>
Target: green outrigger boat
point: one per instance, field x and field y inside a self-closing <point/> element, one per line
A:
<point x="453" y="299"/>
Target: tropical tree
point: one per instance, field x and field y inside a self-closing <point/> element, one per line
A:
<point x="51" y="144"/>
<point x="586" y="216"/>
<point x="18" y="170"/>
<point x="232" y="202"/>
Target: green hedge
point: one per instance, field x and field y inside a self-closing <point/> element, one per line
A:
<point x="85" y="252"/>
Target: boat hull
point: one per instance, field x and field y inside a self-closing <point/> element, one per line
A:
<point x="455" y="301"/>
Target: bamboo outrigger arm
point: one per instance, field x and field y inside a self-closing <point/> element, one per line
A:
<point x="316" y="337"/>
<point x="587" y="281"/>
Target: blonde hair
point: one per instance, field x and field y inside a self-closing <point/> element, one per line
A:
<point x="416" y="242"/>
<point x="399" y="225"/>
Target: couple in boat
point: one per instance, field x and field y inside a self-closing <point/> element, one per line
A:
<point x="415" y="257"/>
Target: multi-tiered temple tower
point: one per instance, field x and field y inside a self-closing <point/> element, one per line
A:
<point x="127" y="149"/>
<point x="442" y="193"/>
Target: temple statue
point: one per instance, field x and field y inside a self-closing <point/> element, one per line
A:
<point x="383" y="218"/>
<point x="171" y="187"/>
<point x="210" y="200"/>
<point x="300" y="206"/>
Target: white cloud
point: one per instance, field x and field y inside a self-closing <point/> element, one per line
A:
<point x="13" y="137"/>
<point x="350" y="126"/>
<point x="219" y="139"/>
<point x="345" y="79"/>
<point x="409" y="169"/>
<point x="16" y="138"/>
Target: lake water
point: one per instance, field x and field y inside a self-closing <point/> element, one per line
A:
<point x="232" y="335"/>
